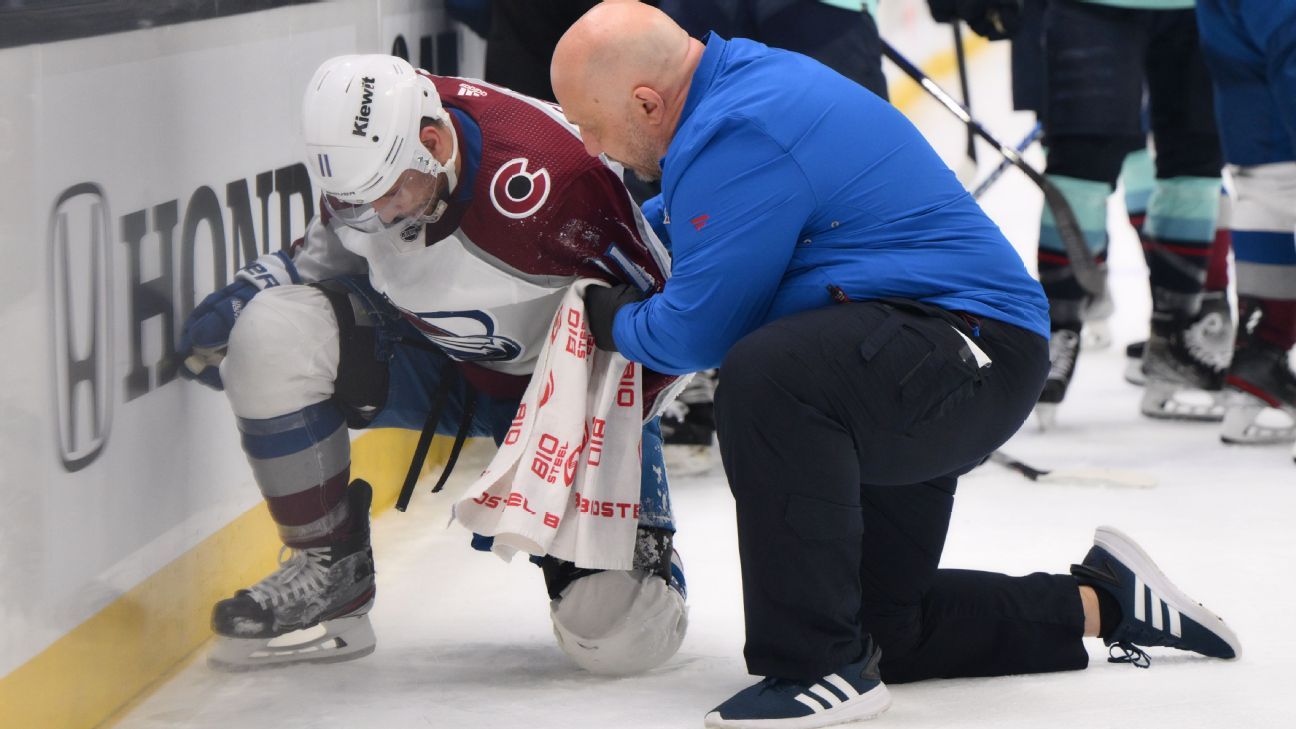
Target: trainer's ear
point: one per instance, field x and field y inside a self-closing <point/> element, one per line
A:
<point x="648" y="105"/>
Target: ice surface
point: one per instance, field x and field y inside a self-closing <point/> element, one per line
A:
<point x="464" y="640"/>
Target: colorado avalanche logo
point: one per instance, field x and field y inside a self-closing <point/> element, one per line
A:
<point x="467" y="336"/>
<point x="517" y="193"/>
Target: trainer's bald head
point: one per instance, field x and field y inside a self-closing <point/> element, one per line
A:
<point x="619" y="43"/>
<point x="622" y="73"/>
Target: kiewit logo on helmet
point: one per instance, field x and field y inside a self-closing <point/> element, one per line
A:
<point x="361" y="126"/>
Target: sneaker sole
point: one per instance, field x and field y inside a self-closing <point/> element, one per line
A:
<point x="1124" y="549"/>
<point x="862" y="707"/>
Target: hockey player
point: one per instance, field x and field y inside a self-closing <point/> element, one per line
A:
<point x="879" y="337"/>
<point x="1209" y="338"/>
<point x="1251" y="51"/>
<point x="1210" y="335"/>
<point x="1101" y="55"/>
<point x="454" y="216"/>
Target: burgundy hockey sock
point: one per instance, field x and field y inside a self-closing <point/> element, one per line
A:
<point x="1217" y="275"/>
<point x="1277" y="323"/>
<point x="314" y="517"/>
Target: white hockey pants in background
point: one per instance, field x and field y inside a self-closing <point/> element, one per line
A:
<point x="1264" y="201"/>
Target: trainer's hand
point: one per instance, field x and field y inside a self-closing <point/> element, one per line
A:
<point x="205" y="335"/>
<point x="993" y="19"/>
<point x="601" y="306"/>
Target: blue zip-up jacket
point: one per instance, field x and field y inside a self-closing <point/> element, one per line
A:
<point x="786" y="180"/>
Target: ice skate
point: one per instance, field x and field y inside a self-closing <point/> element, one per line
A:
<point x="1134" y="362"/>
<point x="688" y="428"/>
<point x="1064" y="348"/>
<point x="313" y="609"/>
<point x="1183" y="367"/>
<point x="1260" y="397"/>
<point x="1096" y="332"/>
<point x="1212" y="330"/>
<point x="1154" y="612"/>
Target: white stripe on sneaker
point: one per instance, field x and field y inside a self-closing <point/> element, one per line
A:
<point x="841" y="685"/>
<point x="1139" y="599"/>
<point x="1155" y="608"/>
<point x="1128" y="552"/>
<point x="1175" y="628"/>
<point x="824" y="694"/>
<point x="815" y="706"/>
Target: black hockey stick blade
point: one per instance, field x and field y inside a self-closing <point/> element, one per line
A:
<point x="1111" y="477"/>
<point x="1086" y="270"/>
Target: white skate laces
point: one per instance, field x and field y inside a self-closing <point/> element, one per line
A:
<point x="1063" y="348"/>
<point x="1210" y="340"/>
<point x="302" y="574"/>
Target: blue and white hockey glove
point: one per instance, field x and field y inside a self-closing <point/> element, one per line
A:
<point x="205" y="336"/>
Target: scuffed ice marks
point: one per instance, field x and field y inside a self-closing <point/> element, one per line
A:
<point x="578" y="236"/>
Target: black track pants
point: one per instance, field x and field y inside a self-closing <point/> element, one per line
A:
<point x="843" y="432"/>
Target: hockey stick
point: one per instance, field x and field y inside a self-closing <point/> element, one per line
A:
<point x="1083" y="265"/>
<point x="1031" y="137"/>
<point x="967" y="170"/>
<point x="1077" y="476"/>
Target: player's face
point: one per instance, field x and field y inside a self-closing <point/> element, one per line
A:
<point x="411" y="196"/>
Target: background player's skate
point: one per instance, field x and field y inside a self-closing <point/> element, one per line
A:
<point x="1064" y="349"/>
<point x="688" y="427"/>
<point x="1260" y="396"/>
<point x="1183" y="366"/>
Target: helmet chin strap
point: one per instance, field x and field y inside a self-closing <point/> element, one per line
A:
<point x="452" y="177"/>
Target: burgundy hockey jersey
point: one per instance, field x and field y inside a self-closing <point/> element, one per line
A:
<point x="485" y="279"/>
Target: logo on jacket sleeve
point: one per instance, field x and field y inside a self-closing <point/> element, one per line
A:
<point x="517" y="193"/>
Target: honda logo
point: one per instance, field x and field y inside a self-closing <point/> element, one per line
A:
<point x="80" y="286"/>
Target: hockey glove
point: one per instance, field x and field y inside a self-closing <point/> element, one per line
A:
<point x="205" y="336"/>
<point x="601" y="306"/>
<point x="993" y="19"/>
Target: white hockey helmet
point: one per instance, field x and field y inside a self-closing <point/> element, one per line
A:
<point x="361" y="118"/>
<point x="617" y="623"/>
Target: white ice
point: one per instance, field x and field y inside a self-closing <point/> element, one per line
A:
<point x="464" y="640"/>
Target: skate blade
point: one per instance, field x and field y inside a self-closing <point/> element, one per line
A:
<point x="1095" y="335"/>
<point x="1134" y="371"/>
<point x="340" y="639"/>
<point x="1165" y="401"/>
<point x="1249" y="420"/>
<point x="1046" y="415"/>
<point x="689" y="460"/>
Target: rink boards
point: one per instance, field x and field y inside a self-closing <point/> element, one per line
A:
<point x="142" y="168"/>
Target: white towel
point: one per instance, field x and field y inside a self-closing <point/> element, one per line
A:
<point x="565" y="481"/>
